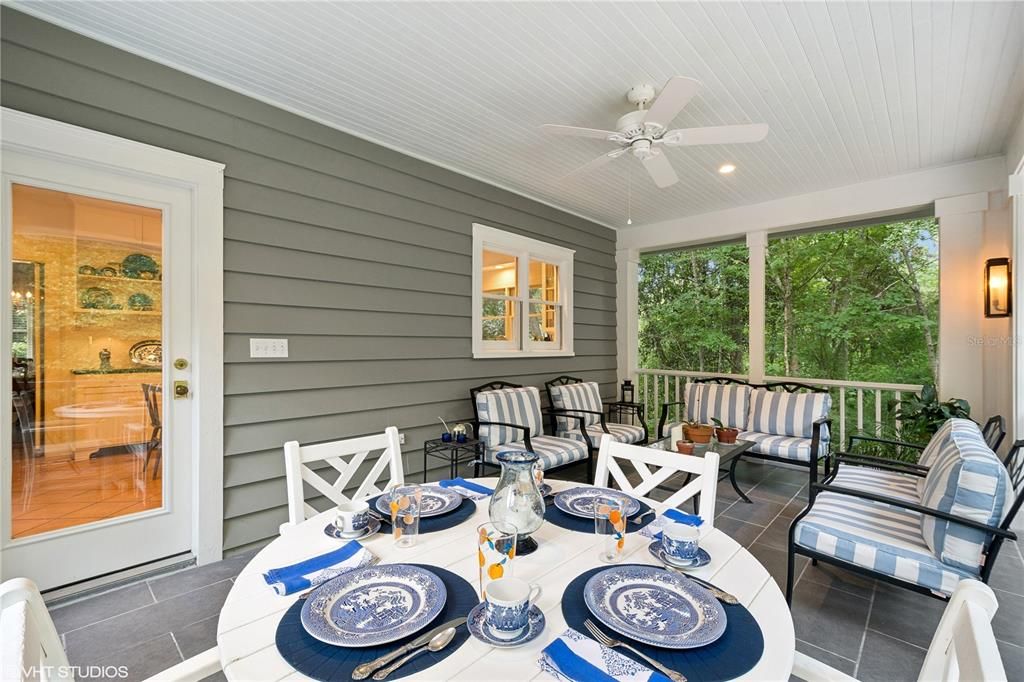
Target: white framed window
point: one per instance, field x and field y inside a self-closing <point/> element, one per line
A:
<point x="522" y="295"/>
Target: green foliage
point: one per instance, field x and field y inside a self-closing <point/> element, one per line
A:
<point x="921" y="416"/>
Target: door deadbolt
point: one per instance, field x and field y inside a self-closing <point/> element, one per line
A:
<point x="180" y="363"/>
<point x="180" y="389"/>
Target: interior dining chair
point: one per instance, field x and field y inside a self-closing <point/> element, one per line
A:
<point x="30" y="648"/>
<point x="963" y="646"/>
<point x="655" y="468"/>
<point x="346" y="457"/>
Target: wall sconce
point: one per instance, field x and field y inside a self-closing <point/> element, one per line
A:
<point x="998" y="288"/>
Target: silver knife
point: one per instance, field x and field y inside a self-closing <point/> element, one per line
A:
<point x="720" y="594"/>
<point x="366" y="669"/>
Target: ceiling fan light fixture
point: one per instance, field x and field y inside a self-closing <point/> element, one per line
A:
<point x="726" y="168"/>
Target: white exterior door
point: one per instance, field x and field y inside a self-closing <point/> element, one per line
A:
<point x="103" y="463"/>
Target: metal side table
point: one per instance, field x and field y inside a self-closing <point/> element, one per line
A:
<point x="454" y="453"/>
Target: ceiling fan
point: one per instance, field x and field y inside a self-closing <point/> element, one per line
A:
<point x="645" y="132"/>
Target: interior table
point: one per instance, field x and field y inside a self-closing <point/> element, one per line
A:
<point x="248" y="621"/>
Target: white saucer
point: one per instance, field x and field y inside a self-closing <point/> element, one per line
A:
<point x="479" y="629"/>
<point x="372" y="526"/>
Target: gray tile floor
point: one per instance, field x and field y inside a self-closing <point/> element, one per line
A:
<point x="864" y="628"/>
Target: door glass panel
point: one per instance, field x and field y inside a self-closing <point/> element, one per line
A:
<point x="86" y="308"/>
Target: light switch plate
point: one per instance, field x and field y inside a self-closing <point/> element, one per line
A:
<point x="268" y="348"/>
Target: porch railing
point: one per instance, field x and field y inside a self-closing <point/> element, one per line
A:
<point x="857" y="406"/>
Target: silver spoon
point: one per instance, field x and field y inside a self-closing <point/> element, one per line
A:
<point x="439" y="641"/>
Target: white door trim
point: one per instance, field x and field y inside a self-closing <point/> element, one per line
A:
<point x="205" y="181"/>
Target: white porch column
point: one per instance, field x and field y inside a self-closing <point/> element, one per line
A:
<point x="961" y="298"/>
<point x="757" y="246"/>
<point x="1016" y="423"/>
<point x="627" y="327"/>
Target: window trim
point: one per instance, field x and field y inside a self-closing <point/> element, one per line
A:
<point x="524" y="248"/>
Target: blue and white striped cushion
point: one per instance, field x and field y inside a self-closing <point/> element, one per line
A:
<point x="582" y="396"/>
<point x="880" y="481"/>
<point x="967" y="479"/>
<point x="724" y="402"/>
<point x="876" y="536"/>
<point x="620" y="433"/>
<point x="787" y="414"/>
<point x="520" y="406"/>
<point x="551" y="451"/>
<point x="934" y="445"/>
<point x="789" y="447"/>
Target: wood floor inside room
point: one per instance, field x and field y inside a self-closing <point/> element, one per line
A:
<point x="51" y="495"/>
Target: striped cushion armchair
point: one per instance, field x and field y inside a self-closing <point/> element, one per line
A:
<point x="921" y="526"/>
<point x="509" y="417"/>
<point x="580" y="414"/>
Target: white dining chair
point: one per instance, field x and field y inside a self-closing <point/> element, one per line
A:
<point x="30" y="648"/>
<point x="654" y="468"/>
<point x="963" y="648"/>
<point x="346" y="457"/>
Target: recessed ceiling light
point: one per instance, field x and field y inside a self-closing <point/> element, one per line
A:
<point x="726" y="168"/>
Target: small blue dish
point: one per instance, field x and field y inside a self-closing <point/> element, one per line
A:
<point x="476" y="622"/>
<point x="658" y="552"/>
<point x="372" y="526"/>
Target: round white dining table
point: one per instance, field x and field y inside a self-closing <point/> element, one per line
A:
<point x="248" y="621"/>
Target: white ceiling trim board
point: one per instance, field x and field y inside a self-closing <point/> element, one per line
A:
<point x="880" y="197"/>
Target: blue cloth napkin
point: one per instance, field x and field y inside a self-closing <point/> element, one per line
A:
<point x="319" y="569"/>
<point x="653" y="529"/>
<point x="473" y="491"/>
<point x="573" y="657"/>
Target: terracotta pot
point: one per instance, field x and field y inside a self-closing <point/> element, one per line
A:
<point x="684" y="447"/>
<point x="726" y="435"/>
<point x="698" y="434"/>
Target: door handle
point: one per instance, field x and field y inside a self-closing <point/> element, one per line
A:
<point x="180" y="389"/>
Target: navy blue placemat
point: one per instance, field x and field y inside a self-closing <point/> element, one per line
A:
<point x="582" y="525"/>
<point x="321" y="661"/>
<point x="734" y="653"/>
<point x="432" y="524"/>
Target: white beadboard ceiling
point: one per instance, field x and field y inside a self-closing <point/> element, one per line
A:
<point x="852" y="91"/>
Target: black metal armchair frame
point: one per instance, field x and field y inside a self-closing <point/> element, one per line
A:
<point x="788" y="387"/>
<point x="1014" y="463"/>
<point x="477" y="423"/>
<point x="994" y="431"/>
<point x="565" y="380"/>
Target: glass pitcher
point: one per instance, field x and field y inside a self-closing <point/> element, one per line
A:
<point x="517" y="499"/>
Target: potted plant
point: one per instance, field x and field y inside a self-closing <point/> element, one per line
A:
<point x="684" y="447"/>
<point x="697" y="432"/>
<point x="725" y="434"/>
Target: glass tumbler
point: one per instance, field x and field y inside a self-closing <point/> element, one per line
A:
<point x="610" y="523"/>
<point x="496" y="547"/>
<point x="404" y="503"/>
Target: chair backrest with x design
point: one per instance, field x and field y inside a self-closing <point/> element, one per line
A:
<point x="346" y="457"/>
<point x="655" y="468"/>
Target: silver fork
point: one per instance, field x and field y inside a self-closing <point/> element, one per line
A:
<point x="607" y="641"/>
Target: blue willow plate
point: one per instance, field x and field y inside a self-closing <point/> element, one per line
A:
<point x="655" y="606"/>
<point x="476" y="622"/>
<point x="373" y="605"/>
<point x="580" y="501"/>
<point x="656" y="550"/>
<point x="434" y="502"/>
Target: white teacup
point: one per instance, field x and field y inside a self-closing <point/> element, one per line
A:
<point x="680" y="542"/>
<point x="508" y="606"/>
<point x="352" y="517"/>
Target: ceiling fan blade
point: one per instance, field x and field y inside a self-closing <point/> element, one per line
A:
<point x="573" y="131"/>
<point x="674" y="96"/>
<point x="688" y="137"/>
<point x="596" y="163"/>
<point x="661" y="170"/>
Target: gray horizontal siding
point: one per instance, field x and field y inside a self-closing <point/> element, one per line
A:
<point x="359" y="255"/>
